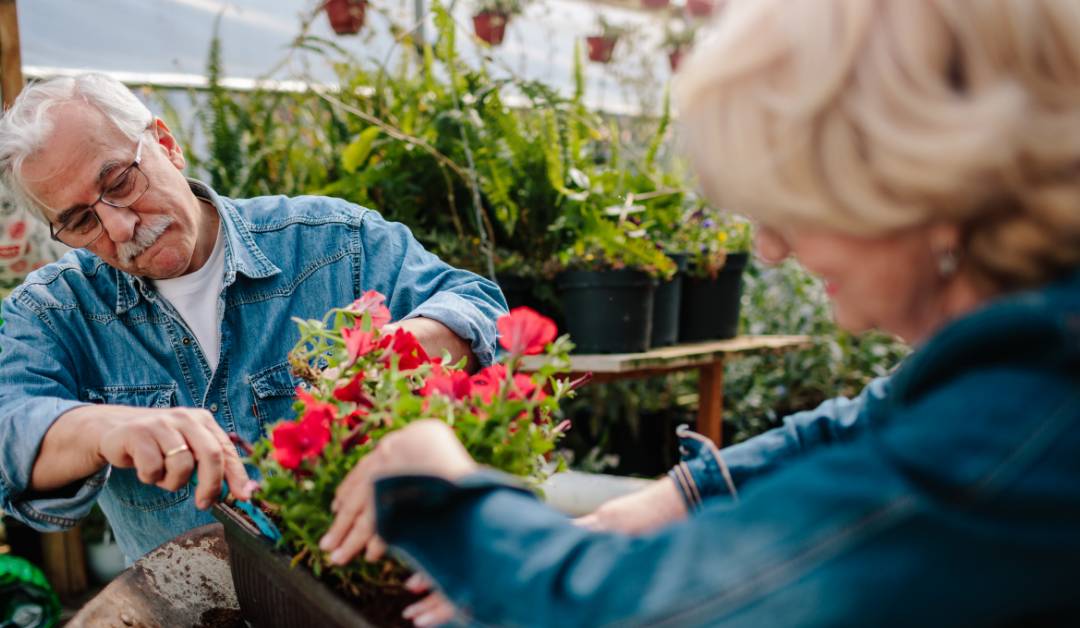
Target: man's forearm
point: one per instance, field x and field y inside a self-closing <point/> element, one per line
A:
<point x="434" y="337"/>
<point x="69" y="451"/>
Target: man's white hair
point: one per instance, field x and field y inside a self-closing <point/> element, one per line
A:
<point x="28" y="124"/>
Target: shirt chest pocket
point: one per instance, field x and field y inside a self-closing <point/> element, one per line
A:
<point x="124" y="484"/>
<point x="273" y="390"/>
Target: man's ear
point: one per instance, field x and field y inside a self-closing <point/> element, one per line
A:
<point x="169" y="143"/>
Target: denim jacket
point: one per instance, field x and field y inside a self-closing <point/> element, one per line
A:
<point x="946" y="495"/>
<point x="79" y="332"/>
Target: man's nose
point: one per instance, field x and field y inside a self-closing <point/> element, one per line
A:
<point x="119" y="222"/>
<point x="771" y="247"/>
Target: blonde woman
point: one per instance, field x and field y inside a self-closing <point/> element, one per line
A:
<point x="922" y="157"/>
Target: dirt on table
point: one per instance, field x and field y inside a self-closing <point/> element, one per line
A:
<point x="221" y="618"/>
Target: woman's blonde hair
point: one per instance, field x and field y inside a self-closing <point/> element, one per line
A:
<point x="867" y="116"/>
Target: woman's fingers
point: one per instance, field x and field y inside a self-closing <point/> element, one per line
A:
<point x="376" y="547"/>
<point x="351" y="500"/>
<point x="417" y="583"/>
<point x="362" y="531"/>
<point x="431" y="611"/>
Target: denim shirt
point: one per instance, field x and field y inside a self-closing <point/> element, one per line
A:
<point x="946" y="495"/>
<point x="79" y="332"/>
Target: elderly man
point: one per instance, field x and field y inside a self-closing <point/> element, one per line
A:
<point x="125" y="364"/>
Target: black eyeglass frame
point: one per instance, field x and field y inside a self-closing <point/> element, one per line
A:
<point x="55" y="233"/>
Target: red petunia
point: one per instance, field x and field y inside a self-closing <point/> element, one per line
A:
<point x="354" y="392"/>
<point x="358" y="343"/>
<point x="410" y="354"/>
<point x="524" y="388"/>
<point x="372" y="301"/>
<point x="296" y="441"/>
<point x="524" y="332"/>
<point x="487" y="382"/>
<point x="315" y="410"/>
<point x="453" y="384"/>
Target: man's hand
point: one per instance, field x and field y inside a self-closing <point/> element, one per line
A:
<point x="427" y="447"/>
<point x="639" y="512"/>
<point x="85" y="440"/>
<point x="433" y="336"/>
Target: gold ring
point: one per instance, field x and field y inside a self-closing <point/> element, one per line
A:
<point x="179" y="449"/>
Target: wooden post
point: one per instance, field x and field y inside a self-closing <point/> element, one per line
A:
<point x="11" y="77"/>
<point x="711" y="401"/>
<point x="63" y="561"/>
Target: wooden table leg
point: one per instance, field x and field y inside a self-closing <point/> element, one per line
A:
<point x="711" y="401"/>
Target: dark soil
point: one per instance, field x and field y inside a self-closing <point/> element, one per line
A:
<point x="221" y="618"/>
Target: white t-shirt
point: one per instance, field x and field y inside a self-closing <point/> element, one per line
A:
<point x="195" y="298"/>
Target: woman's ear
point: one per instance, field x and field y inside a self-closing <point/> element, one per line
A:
<point x="168" y="142"/>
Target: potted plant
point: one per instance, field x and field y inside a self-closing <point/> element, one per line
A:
<point x="602" y="46"/>
<point x="719" y="245"/>
<point x="678" y="41"/>
<point x="346" y="16"/>
<point x="491" y="18"/>
<point x="360" y="383"/>
<point x="608" y="276"/>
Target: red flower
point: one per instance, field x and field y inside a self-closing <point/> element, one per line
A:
<point x="314" y="410"/>
<point x="354" y="392"/>
<point x="486" y="383"/>
<point x="407" y="347"/>
<point x="358" y="343"/>
<point x="524" y="332"/>
<point x="524" y="388"/>
<point x="453" y="384"/>
<point x="296" y="441"/>
<point x="372" y="301"/>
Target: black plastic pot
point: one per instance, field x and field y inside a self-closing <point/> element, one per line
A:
<point x="516" y="288"/>
<point x="666" y="305"/>
<point x="609" y="311"/>
<point x="710" y="307"/>
<point x="272" y="595"/>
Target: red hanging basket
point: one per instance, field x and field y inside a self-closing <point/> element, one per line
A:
<point x="491" y="26"/>
<point x="346" y="16"/>
<point x="699" y="8"/>
<point x="600" y="48"/>
<point x="655" y="4"/>
<point x="675" y="57"/>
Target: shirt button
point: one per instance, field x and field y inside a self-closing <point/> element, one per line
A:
<point x="186" y="341"/>
<point x="213" y="407"/>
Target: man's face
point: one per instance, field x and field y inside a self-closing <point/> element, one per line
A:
<point x="157" y="236"/>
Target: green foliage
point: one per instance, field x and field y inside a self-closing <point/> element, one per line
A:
<point x="358" y="392"/>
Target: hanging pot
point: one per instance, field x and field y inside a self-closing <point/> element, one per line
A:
<point x="346" y="16"/>
<point x="675" y="57"/>
<point x="600" y="48"/>
<point x="666" y="305"/>
<point x="490" y="26"/>
<point x="710" y="307"/>
<point x="699" y="8"/>
<point x="608" y="311"/>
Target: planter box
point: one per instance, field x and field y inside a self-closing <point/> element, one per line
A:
<point x="346" y="16"/>
<point x="710" y="307"/>
<point x="271" y="594"/>
<point x="491" y="27"/>
<point x="609" y="311"/>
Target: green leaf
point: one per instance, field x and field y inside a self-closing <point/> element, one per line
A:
<point x="358" y="151"/>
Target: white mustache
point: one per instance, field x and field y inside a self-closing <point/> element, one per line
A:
<point x="149" y="230"/>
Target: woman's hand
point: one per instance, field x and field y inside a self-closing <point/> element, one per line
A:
<point x="639" y="512"/>
<point x="433" y="610"/>
<point x="427" y="447"/>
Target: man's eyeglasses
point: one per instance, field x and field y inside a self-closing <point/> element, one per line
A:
<point x="85" y="226"/>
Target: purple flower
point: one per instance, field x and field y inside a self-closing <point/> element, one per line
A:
<point x="708" y="223"/>
<point x="704" y="249"/>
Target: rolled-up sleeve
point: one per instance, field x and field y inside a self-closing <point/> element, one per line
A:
<point x="705" y="473"/>
<point x="419" y="284"/>
<point x="36" y="387"/>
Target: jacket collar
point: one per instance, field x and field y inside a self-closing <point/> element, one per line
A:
<point x="242" y="255"/>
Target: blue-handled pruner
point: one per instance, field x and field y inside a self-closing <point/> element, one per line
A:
<point x="263" y="522"/>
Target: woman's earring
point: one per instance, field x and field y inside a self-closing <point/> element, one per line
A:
<point x="948" y="261"/>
